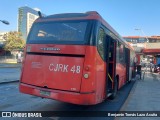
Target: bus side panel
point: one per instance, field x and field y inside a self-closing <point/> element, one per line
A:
<point x="96" y="81"/>
<point x="100" y="79"/>
<point x="121" y="64"/>
<point x="121" y="71"/>
<point x="88" y="84"/>
<point x="132" y="64"/>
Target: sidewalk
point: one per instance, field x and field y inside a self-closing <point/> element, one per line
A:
<point x="144" y="96"/>
<point x="9" y="72"/>
<point x="10" y="65"/>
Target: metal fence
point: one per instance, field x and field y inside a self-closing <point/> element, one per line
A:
<point x="11" y="57"/>
<point x="8" y="59"/>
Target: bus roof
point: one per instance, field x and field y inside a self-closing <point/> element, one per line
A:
<point x="90" y="15"/>
<point x="75" y="16"/>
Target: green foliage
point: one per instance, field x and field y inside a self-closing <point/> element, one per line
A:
<point x="13" y="41"/>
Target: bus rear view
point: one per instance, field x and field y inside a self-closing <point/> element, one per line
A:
<point x="76" y="58"/>
<point x="54" y="60"/>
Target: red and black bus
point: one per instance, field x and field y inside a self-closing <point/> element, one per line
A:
<point x="76" y="58"/>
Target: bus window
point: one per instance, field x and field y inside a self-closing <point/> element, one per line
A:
<point x="52" y="32"/>
<point x="101" y="38"/>
<point x="122" y="54"/>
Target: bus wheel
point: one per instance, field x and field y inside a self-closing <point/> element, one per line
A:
<point x="115" y="89"/>
<point x="129" y="81"/>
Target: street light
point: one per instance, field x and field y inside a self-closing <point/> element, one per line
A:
<point x="142" y="33"/>
<point x="5" y="22"/>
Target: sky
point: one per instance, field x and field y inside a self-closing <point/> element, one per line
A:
<point x="123" y="15"/>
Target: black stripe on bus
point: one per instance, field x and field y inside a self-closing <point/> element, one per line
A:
<point x="54" y="54"/>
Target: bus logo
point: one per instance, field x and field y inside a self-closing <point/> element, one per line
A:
<point x="50" y="49"/>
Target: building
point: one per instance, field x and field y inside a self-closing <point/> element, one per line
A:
<point x="2" y="43"/>
<point x="139" y="39"/>
<point x="1" y="37"/>
<point x="26" y="17"/>
<point x="2" y="40"/>
<point x="143" y="44"/>
<point x="145" y="47"/>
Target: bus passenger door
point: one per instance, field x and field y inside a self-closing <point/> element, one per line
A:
<point x="111" y="64"/>
<point x="127" y="60"/>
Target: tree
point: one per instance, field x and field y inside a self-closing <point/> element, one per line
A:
<point x="13" y="41"/>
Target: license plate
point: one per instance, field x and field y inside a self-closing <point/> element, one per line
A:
<point x="45" y="93"/>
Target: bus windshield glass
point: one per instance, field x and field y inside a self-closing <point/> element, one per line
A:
<point x="59" y="32"/>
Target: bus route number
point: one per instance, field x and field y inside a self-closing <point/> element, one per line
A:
<point x="64" y="68"/>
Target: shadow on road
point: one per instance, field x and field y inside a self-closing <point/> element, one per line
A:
<point x="66" y="111"/>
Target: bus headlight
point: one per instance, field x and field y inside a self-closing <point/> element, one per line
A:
<point x="86" y="76"/>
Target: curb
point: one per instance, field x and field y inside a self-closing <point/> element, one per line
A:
<point x="129" y="96"/>
<point x="11" y="62"/>
<point x="10" y="67"/>
<point x="124" y="105"/>
<point x="5" y="82"/>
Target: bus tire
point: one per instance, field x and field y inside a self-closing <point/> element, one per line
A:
<point x="129" y="81"/>
<point x="115" y="89"/>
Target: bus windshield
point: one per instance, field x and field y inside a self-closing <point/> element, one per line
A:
<point x="58" y="32"/>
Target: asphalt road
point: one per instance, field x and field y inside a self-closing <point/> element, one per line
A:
<point x="12" y="100"/>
